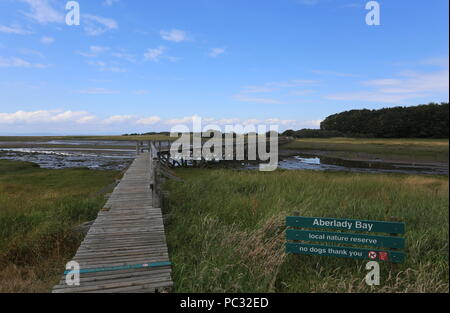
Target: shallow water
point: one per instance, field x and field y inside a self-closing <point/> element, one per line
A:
<point x="92" y="156"/>
<point x="59" y="158"/>
<point x="94" y="143"/>
<point x="320" y="163"/>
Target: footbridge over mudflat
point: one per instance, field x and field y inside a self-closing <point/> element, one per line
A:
<point x="125" y="249"/>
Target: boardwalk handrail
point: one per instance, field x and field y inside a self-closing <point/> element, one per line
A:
<point x="154" y="182"/>
<point x="153" y="151"/>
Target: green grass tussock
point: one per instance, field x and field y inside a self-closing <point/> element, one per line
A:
<point x="38" y="210"/>
<point x="226" y="230"/>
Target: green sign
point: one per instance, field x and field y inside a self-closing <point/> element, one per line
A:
<point x="346" y="224"/>
<point x="346" y="238"/>
<point x="345" y="252"/>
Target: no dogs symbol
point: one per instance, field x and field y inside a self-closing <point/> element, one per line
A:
<point x="373" y="255"/>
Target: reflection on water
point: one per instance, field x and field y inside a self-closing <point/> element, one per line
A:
<point x="313" y="161"/>
<point x="306" y="162"/>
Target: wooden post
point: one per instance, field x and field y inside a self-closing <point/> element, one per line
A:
<point x="154" y="185"/>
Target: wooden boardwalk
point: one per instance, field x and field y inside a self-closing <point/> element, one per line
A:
<point x="125" y="250"/>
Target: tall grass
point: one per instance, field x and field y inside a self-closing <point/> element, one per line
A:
<point x="38" y="210"/>
<point x="226" y="230"/>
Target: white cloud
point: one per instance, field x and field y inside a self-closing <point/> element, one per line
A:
<point x="183" y="120"/>
<point x="252" y="121"/>
<point x="154" y="54"/>
<point x="427" y="82"/>
<point x="407" y="86"/>
<point x="14" y="29"/>
<point x="372" y="96"/>
<point x="96" y="25"/>
<point x="224" y="121"/>
<point x="313" y="123"/>
<point x="47" y="40"/>
<point x="215" y="52"/>
<point x="21" y="116"/>
<point x="149" y="120"/>
<point x="43" y="12"/>
<point x="18" y="62"/>
<point x="277" y="121"/>
<point x="174" y="35"/>
<point x="86" y="119"/>
<point x="118" y="119"/>
<point x="45" y="116"/>
<point x="46" y="120"/>
<point x="69" y="116"/>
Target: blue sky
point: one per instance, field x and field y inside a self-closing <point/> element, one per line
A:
<point x="136" y="66"/>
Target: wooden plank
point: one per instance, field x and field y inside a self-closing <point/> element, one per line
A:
<point x="163" y="282"/>
<point x="147" y="278"/>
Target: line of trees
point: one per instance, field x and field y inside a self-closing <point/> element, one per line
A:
<point x="422" y="121"/>
<point x="313" y="133"/>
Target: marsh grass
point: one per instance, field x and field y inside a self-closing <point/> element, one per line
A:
<point x="226" y="230"/>
<point x="38" y="210"/>
<point x="415" y="150"/>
